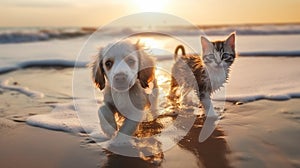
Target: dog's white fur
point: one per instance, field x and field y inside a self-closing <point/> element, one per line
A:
<point x="124" y="71"/>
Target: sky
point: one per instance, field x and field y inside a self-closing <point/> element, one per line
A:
<point x="60" y="13"/>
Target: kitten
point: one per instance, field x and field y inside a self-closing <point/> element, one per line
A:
<point x="204" y="74"/>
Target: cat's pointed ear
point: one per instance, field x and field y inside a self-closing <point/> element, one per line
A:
<point x="231" y="40"/>
<point x="206" y="44"/>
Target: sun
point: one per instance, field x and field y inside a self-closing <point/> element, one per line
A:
<point x="154" y="46"/>
<point x="150" y="5"/>
<point x="149" y="42"/>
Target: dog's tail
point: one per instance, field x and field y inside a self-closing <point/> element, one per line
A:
<point x="179" y="47"/>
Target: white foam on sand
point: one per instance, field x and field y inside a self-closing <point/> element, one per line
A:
<point x="253" y="79"/>
<point x="279" y="97"/>
<point x="4" y="84"/>
<point x="78" y="119"/>
<point x="62" y="118"/>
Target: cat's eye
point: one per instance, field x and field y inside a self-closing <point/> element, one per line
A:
<point x="109" y="64"/>
<point x="226" y="57"/>
<point x="209" y="58"/>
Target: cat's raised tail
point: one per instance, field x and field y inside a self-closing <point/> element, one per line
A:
<point x="179" y="47"/>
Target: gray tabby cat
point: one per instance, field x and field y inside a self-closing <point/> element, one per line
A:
<point x="204" y="74"/>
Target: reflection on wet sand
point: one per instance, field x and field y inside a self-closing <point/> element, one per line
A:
<point x="210" y="153"/>
<point x="115" y="160"/>
<point x="146" y="146"/>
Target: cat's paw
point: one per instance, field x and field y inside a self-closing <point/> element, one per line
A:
<point x="212" y="114"/>
<point x="208" y="128"/>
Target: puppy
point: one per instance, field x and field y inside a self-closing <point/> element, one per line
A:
<point x="126" y="74"/>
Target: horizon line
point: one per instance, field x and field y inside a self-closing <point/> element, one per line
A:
<point x="198" y="25"/>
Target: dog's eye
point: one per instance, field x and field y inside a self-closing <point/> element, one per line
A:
<point x="130" y="62"/>
<point x="108" y="64"/>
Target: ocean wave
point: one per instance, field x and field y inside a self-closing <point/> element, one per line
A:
<point x="269" y="29"/>
<point x="20" y="35"/>
<point x="44" y="64"/>
<point x="271" y="53"/>
<point x="248" y="54"/>
<point x="52" y="63"/>
<point x="36" y="34"/>
<point x="57" y="63"/>
<point x="21" y="89"/>
<point x="252" y="98"/>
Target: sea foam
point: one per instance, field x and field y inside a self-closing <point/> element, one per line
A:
<point x="251" y="98"/>
<point x="63" y="117"/>
<point x="21" y="89"/>
<point x="81" y="117"/>
<point x="44" y="64"/>
<point x="22" y="35"/>
<point x="39" y="34"/>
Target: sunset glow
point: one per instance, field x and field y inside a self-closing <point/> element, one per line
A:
<point x="150" y="42"/>
<point x="20" y="13"/>
<point x="150" y="5"/>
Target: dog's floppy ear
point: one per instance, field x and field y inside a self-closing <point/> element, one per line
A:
<point x="146" y="72"/>
<point x="98" y="72"/>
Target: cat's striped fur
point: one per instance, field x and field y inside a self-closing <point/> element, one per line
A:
<point x="204" y="74"/>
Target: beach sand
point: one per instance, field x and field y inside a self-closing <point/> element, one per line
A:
<point x="261" y="133"/>
<point x="26" y="146"/>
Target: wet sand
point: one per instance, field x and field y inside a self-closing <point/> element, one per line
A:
<point x="263" y="134"/>
<point x="25" y="146"/>
<point x="257" y="134"/>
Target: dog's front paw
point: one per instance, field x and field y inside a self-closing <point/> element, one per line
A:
<point x="122" y="140"/>
<point x="108" y="130"/>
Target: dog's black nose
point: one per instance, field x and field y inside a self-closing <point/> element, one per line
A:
<point x="120" y="77"/>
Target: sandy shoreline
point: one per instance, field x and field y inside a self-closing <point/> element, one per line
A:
<point x="257" y="134"/>
<point x="263" y="134"/>
<point x="27" y="146"/>
<point x="244" y="138"/>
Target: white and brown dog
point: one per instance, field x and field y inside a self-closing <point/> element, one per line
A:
<point x="126" y="74"/>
